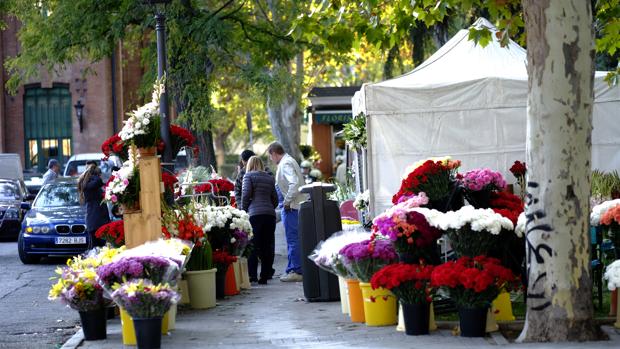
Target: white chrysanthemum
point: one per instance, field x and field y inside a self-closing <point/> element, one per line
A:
<point x="520" y="228"/>
<point x="478" y="220"/>
<point x="599" y="210"/>
<point x="612" y="275"/>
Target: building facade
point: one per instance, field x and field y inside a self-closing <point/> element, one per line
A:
<point x="39" y="122"/>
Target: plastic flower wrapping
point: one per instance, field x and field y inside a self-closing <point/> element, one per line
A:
<point x="142" y="126"/>
<point x="474" y="282"/>
<point x="365" y="258"/>
<point x="124" y="185"/>
<point x="327" y="256"/>
<point x="155" y="268"/>
<point x="142" y="298"/>
<point x="599" y="210"/>
<point x="409" y="282"/>
<point x="362" y="201"/>
<point x="434" y="176"/>
<point x="174" y="249"/>
<point x="483" y="179"/>
<point x="612" y="275"/>
<point x="77" y="285"/>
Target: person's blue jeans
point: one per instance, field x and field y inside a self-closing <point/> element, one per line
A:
<point x="290" y="219"/>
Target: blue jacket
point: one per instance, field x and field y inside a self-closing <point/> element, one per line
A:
<point x="259" y="195"/>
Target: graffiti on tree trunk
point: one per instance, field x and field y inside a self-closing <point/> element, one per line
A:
<point x="536" y="253"/>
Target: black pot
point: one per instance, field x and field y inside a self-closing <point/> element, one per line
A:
<point x="473" y="321"/>
<point x="94" y="324"/>
<point x="148" y="333"/>
<point x="417" y="317"/>
<point x="110" y="312"/>
<point x="220" y="282"/>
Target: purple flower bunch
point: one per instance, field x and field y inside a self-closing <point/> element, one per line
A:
<point x="157" y="269"/>
<point x="483" y="179"/>
<point x="239" y="241"/>
<point x="365" y="258"/>
<point x="142" y="298"/>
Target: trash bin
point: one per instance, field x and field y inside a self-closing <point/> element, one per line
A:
<point x="319" y="218"/>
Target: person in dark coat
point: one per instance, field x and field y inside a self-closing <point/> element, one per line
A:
<point x="90" y="188"/>
<point x="259" y="199"/>
<point x="245" y="156"/>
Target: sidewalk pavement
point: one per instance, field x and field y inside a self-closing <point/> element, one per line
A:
<point x="277" y="316"/>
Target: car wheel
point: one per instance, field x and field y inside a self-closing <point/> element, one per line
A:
<point x="23" y="256"/>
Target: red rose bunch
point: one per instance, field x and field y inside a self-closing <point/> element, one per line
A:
<point x="507" y="204"/>
<point x="180" y="137"/>
<point x="473" y="282"/>
<point x="203" y="188"/>
<point x="169" y="180"/>
<point x="222" y="259"/>
<point x="432" y="177"/>
<point x="115" y="146"/>
<point x="518" y="169"/>
<point x="411" y="283"/>
<point x="222" y="186"/>
<point x="113" y="233"/>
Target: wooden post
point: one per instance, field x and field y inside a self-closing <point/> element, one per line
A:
<point x="145" y="224"/>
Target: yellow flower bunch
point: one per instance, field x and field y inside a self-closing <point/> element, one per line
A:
<point x="106" y="254"/>
<point x="77" y="284"/>
<point x="349" y="222"/>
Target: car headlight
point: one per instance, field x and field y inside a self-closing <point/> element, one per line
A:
<point x="10" y="214"/>
<point x="38" y="229"/>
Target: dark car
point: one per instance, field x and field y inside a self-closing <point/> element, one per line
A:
<point x="55" y="226"/>
<point x="12" y="207"/>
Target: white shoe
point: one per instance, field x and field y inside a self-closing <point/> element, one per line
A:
<point x="291" y="277"/>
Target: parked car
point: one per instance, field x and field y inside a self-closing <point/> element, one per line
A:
<point x="55" y="226"/>
<point x="13" y="205"/>
<point x="77" y="164"/>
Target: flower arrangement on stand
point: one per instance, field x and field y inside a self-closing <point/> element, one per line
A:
<point x="146" y="302"/>
<point x="123" y="187"/>
<point x="478" y="185"/>
<point x="518" y="169"/>
<point x="113" y="233"/>
<point x="141" y="129"/>
<point x="473" y="283"/>
<point x="411" y="285"/>
<point x="78" y="288"/>
<point x="363" y="259"/>
<point x="436" y="178"/>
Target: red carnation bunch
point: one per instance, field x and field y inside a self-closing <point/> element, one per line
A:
<point x="411" y="283"/>
<point x="222" y="259"/>
<point x="432" y="177"/>
<point x="221" y="187"/>
<point x="113" y="233"/>
<point x="180" y="137"/>
<point x="115" y="146"/>
<point x="169" y="180"/>
<point x="474" y="282"/>
<point x="507" y="204"/>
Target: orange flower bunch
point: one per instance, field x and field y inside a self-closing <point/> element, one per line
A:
<point x="611" y="216"/>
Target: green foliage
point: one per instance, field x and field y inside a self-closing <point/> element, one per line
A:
<point x="605" y="185"/>
<point x="201" y="258"/>
<point x="355" y="132"/>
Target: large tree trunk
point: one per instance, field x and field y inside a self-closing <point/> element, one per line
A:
<point x="285" y="121"/>
<point x="220" y="144"/>
<point x="559" y="126"/>
<point x="206" y="155"/>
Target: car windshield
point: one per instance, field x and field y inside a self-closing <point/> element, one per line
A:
<point x="58" y="195"/>
<point x="77" y="167"/>
<point x="8" y="192"/>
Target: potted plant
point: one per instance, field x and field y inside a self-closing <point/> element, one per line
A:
<point x="146" y="302"/>
<point x="413" y="237"/>
<point x="478" y="184"/>
<point x="411" y="285"/>
<point x="473" y="283"/>
<point x="77" y="287"/>
<point x="472" y="231"/>
<point x="436" y="178"/>
<point x="113" y="233"/>
<point x="363" y="259"/>
<point x="222" y="261"/>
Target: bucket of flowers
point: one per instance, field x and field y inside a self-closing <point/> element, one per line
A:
<point x="473" y="283"/>
<point x="472" y="231"/>
<point x="220" y="222"/>
<point x="113" y="233"/>
<point x="146" y="302"/>
<point x="223" y="260"/>
<point x="363" y="259"/>
<point x="478" y="184"/>
<point x="413" y="237"/>
<point x="123" y="187"/>
<point x="411" y="285"/>
<point x="77" y="287"/>
<point x="437" y="178"/>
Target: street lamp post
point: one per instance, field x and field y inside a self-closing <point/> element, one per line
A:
<point x="160" y="29"/>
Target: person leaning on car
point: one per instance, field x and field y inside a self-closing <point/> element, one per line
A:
<point x="90" y="188"/>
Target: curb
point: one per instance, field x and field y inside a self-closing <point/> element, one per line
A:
<point x="75" y="341"/>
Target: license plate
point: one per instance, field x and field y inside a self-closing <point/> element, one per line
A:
<point x="70" y="240"/>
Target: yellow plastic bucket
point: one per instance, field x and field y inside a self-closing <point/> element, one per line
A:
<point x="502" y="307"/>
<point x="356" y="302"/>
<point x="380" y="306"/>
<point x="129" y="333"/>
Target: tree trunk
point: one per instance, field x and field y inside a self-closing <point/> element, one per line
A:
<point x="559" y="127"/>
<point x="248" y="123"/>
<point x="206" y="156"/>
<point x="220" y="145"/>
<point x="416" y="35"/>
<point x="285" y="121"/>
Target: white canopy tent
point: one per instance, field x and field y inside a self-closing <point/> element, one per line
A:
<point x="468" y="102"/>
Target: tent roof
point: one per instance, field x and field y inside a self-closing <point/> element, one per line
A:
<point x="461" y="59"/>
